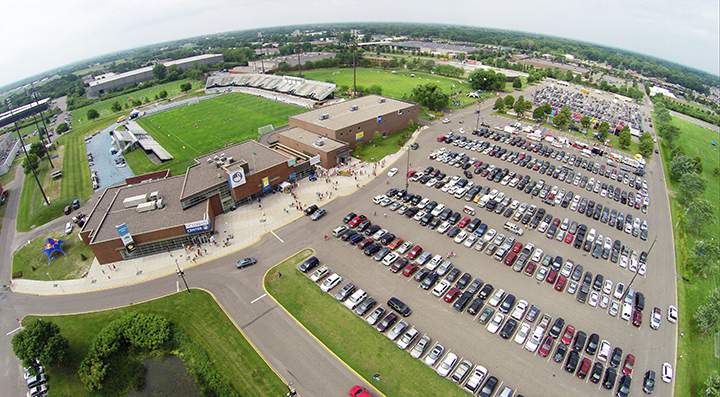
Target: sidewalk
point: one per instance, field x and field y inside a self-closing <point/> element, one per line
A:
<point x="277" y="210"/>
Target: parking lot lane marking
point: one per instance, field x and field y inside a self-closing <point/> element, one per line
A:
<point x="276" y="236"/>
<point x="258" y="298"/>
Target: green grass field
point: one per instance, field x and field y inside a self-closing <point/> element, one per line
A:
<point x="697" y="349"/>
<point x="393" y="85"/>
<point x="28" y="259"/>
<point x="103" y="107"/>
<point x="359" y="345"/>
<point x="198" y="315"/>
<point x="189" y="131"/>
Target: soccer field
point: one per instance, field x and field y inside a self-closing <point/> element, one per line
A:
<point x="189" y="131"/>
<point x="393" y="85"/>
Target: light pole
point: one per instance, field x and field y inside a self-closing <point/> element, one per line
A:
<point x="33" y="95"/>
<point x="638" y="268"/>
<point x="181" y="274"/>
<point x="54" y="283"/>
<point x="9" y="105"/>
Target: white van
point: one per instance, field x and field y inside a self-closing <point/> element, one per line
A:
<point x="378" y="199"/>
<point x="626" y="311"/>
<point x="469" y="210"/>
<point x="483" y="201"/>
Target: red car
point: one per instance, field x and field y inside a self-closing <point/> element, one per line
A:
<point x="569" y="238"/>
<point x="450" y="296"/>
<point x="552" y="276"/>
<point x="399" y="264"/>
<point x="356" y="221"/>
<point x="395" y="243"/>
<point x="584" y="368"/>
<point x="628" y="366"/>
<point x="365" y="243"/>
<point x="441" y="138"/>
<point x="464" y="222"/>
<point x="358" y="391"/>
<point x="546" y="346"/>
<point x="409" y="270"/>
<point x="415" y="252"/>
<point x="530" y="269"/>
<point x="560" y="285"/>
<point x="567" y="337"/>
<point x="637" y="318"/>
<point x="411" y="173"/>
<point x="517" y="247"/>
<point x="510" y="259"/>
<point x="556" y="221"/>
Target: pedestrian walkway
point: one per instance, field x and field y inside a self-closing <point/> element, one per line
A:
<point x="242" y="227"/>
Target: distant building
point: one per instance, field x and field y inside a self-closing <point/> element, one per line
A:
<point x="21" y="112"/>
<point x="105" y="83"/>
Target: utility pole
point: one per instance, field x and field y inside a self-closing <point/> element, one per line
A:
<point x="32" y="95"/>
<point x="9" y="105"/>
<point x="298" y="58"/>
<point x="181" y="274"/>
<point x="354" y="45"/>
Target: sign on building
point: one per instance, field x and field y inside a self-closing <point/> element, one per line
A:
<point x="236" y="178"/>
<point x="266" y="184"/>
<point x="359" y="136"/>
<point x="315" y="159"/>
<point x="125" y="236"/>
<point x="199" y="226"/>
<point x="379" y="119"/>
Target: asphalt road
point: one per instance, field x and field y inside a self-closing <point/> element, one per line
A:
<point x="300" y="359"/>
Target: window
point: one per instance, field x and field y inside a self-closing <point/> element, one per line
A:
<point x="399" y="111"/>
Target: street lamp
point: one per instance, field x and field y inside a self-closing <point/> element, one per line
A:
<point x="638" y="268"/>
<point x="54" y="283"/>
<point x="181" y="274"/>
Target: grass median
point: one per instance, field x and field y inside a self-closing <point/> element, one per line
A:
<point x="359" y="345"/>
<point x="198" y="315"/>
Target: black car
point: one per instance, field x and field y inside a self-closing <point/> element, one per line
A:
<point x="311" y="209"/>
<point x="557" y="328"/>
<point x="624" y="386"/>
<point x="649" y="382"/>
<point x="400" y="307"/>
<point x="362" y="226"/>
<point x="560" y="352"/>
<point x="372" y="249"/>
<point x="507" y="303"/>
<point x="615" y="357"/>
<point x="345" y="292"/>
<point x="349" y="217"/>
<point x="462" y="301"/>
<point x="387" y="238"/>
<point x="454" y="218"/>
<point x="596" y="373"/>
<point x="489" y="387"/>
<point x="592" y="344"/>
<point x="486" y="291"/>
<point x="453" y="232"/>
<point x="508" y="329"/>
<point x="572" y="361"/>
<point x="609" y="379"/>
<point x="463" y="281"/>
<point x="475" y="306"/>
<point x="372" y="230"/>
<point x="580" y="338"/>
<point x="309" y="264"/>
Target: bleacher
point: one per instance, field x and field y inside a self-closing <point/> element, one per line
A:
<point x="288" y="85"/>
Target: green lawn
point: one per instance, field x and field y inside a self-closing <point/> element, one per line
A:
<point x="189" y="131"/>
<point x="393" y="85"/>
<point x="75" y="179"/>
<point x="199" y="316"/>
<point x="379" y="148"/>
<point x="9" y="176"/>
<point x="103" y="106"/>
<point x="697" y="350"/>
<point x="33" y="266"/>
<point x="365" y="350"/>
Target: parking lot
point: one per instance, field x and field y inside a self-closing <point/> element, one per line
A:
<point x="462" y="333"/>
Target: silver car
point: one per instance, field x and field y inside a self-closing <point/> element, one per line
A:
<point x="407" y="339"/>
<point x="397" y="330"/>
<point x="420" y="347"/>
<point x="434" y="355"/>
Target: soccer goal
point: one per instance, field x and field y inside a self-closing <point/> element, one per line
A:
<point x="265" y="129"/>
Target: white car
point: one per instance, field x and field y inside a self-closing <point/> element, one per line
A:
<point x="392" y="172"/>
<point x="379" y="199"/>
<point x="619" y="291"/>
<point x="423" y="203"/>
<point x="440" y="289"/>
<point x="405" y="247"/>
<point x="672" y="314"/>
<point x="667" y="372"/>
<point x="475" y="380"/>
<point x="608" y="287"/>
<point x="471" y="240"/>
<point x="642" y="269"/>
<point x="604" y="351"/>
<point x="390" y="258"/>
<point x="444" y="227"/>
<point x="542" y="273"/>
<point x="331" y="282"/>
<point x="461" y="237"/>
<point x="407" y="339"/>
<point x="497" y="297"/>
<point x="447" y="364"/>
<point x="614" y="308"/>
<point x="434" y="355"/>
<point x="537" y="256"/>
<point x="534" y="340"/>
<point x="519" y="310"/>
<point x="68" y="228"/>
<point x="434" y="262"/>
<point x="567" y="269"/>
<point x="355" y="299"/>
<point x="319" y="273"/>
<point x="624" y="261"/>
<point x="522" y="333"/>
<point x="604" y="301"/>
<point x="594" y="299"/>
<point x="495" y="323"/>
<point x="419" y="215"/>
<point x="438" y="209"/>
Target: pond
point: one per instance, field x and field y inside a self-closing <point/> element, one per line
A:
<point x="167" y="376"/>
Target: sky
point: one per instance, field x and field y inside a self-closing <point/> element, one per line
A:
<point x="39" y="35"/>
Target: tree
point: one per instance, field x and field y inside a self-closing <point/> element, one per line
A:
<point x="509" y="101"/>
<point x="38" y="149"/>
<point x="704" y="256"/>
<point x="62" y="127"/>
<point x="668" y="132"/>
<point x="700" y="212"/>
<point x="40" y="340"/>
<point x="487" y="80"/>
<point x="375" y="89"/>
<point x="680" y="166"/>
<point x="677" y="151"/>
<point x="92" y="114"/>
<point x="646" y="145"/>
<point x="712" y="386"/>
<point x="519" y="106"/>
<point x="603" y="130"/>
<point x="716" y="171"/>
<point x="430" y="96"/>
<point x="159" y="71"/>
<point x="185" y="87"/>
<point x="499" y="105"/>
<point x="116" y="107"/>
<point x="707" y="316"/>
<point x="163" y="94"/>
<point x="585" y="121"/>
<point x="698" y="164"/>
<point x="517" y="84"/>
<point x="560" y="120"/>
<point x="30" y="163"/>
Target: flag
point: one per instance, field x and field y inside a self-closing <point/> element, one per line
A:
<point x="254" y="154"/>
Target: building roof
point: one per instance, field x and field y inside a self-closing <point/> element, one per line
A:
<point x="22" y="109"/>
<point x="110" y="210"/>
<point x="150" y="145"/>
<point x="299" y="86"/>
<point x="312" y="139"/>
<point x="200" y="175"/>
<point x="146" y="69"/>
<point x="340" y="116"/>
